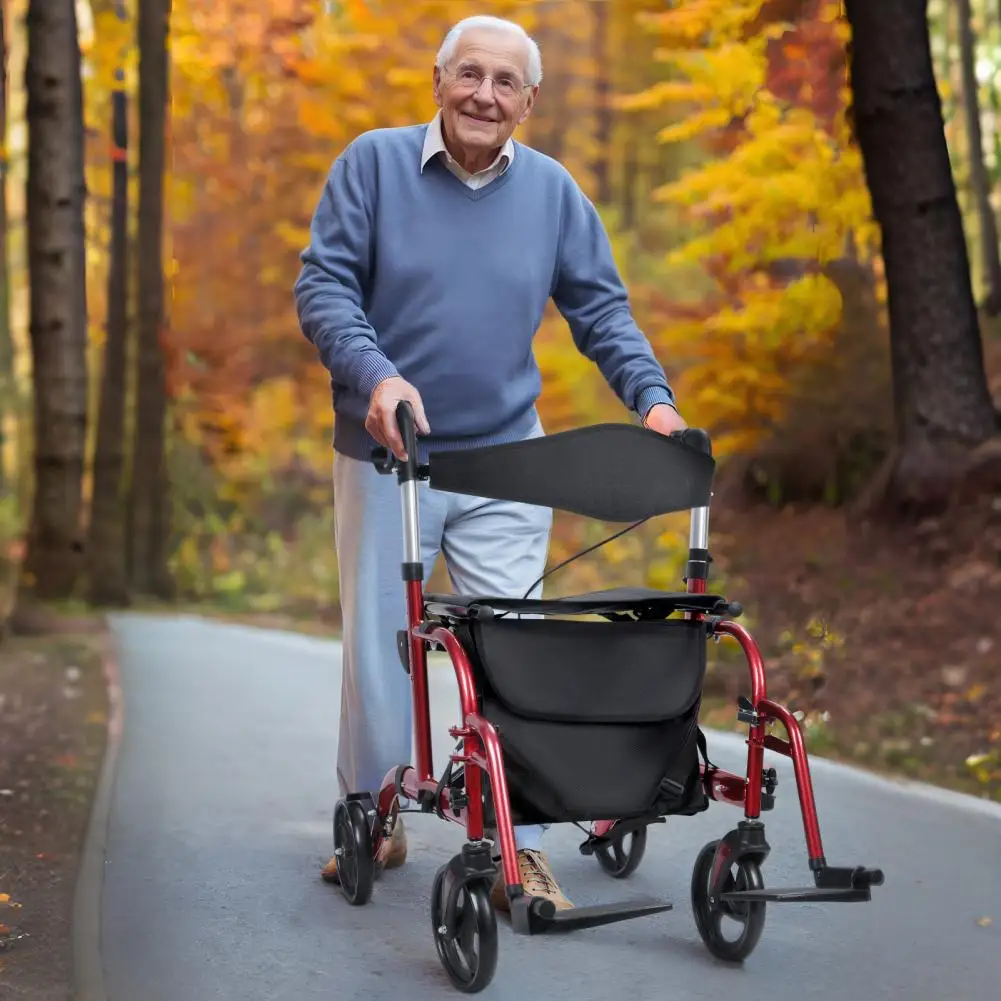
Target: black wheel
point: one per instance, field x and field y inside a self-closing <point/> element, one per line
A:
<point x="470" y="954"/>
<point x="623" y="856"/>
<point x="353" y="848"/>
<point x="745" y="918"/>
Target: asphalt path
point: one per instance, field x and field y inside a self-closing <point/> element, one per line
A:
<point x="220" y="819"/>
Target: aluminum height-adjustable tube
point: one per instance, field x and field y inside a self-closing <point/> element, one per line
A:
<point x="411" y="523"/>
<point x="698" y="532"/>
<point x="412" y="572"/>
<point x="697" y="571"/>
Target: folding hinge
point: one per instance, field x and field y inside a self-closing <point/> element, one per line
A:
<point x="746" y="713"/>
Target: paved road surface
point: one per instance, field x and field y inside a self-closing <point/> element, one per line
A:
<point x="221" y="820"/>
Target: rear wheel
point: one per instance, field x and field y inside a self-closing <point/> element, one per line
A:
<point x="353" y="849"/>
<point x="621" y="858"/>
<point x="730" y="929"/>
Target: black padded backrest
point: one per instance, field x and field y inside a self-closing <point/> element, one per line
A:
<point x="610" y="472"/>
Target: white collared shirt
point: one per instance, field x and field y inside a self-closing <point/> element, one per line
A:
<point x="434" y="144"/>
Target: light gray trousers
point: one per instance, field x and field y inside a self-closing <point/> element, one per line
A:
<point x="490" y="547"/>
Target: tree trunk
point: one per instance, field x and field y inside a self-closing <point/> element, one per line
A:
<point x="107" y="581"/>
<point x="58" y="295"/>
<point x="149" y="520"/>
<point x="941" y="401"/>
<point x="980" y="182"/>
<point x="8" y="406"/>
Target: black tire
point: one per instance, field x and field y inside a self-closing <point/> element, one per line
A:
<point x="620" y="861"/>
<point x="470" y="957"/>
<point x="749" y="914"/>
<point x="353" y="848"/>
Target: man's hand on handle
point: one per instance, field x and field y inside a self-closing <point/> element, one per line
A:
<point x="664" y="419"/>
<point x="380" y="421"/>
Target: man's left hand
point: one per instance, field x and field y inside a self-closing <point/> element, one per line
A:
<point x="664" y="419"/>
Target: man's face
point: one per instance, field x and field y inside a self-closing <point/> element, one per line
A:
<point x="482" y="91"/>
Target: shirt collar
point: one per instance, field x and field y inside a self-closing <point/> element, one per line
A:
<point x="434" y="143"/>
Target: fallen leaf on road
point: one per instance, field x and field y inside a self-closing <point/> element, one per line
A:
<point x="4" y="898"/>
<point x="985" y="921"/>
<point x="4" y="930"/>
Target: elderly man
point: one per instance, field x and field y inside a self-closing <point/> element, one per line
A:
<point x="433" y="253"/>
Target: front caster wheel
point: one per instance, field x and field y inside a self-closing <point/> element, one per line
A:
<point x="353" y="848"/>
<point x="622" y="857"/>
<point x="465" y="931"/>
<point x="746" y="918"/>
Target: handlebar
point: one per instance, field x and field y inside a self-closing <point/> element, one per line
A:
<point x="407" y="424"/>
<point x="695" y="438"/>
<point x="384" y="460"/>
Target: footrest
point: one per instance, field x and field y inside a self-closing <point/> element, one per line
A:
<point x="845" y="877"/>
<point x="800" y="894"/>
<point x="538" y="916"/>
<point x="832" y="883"/>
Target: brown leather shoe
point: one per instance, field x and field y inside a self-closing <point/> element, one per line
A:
<point x="391" y="855"/>
<point x="537" y="880"/>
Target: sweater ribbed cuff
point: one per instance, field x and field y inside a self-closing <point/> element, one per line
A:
<point x="372" y="369"/>
<point x="648" y="398"/>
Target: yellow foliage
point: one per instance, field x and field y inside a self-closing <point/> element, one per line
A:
<point x="111" y="48"/>
<point x="788" y="189"/>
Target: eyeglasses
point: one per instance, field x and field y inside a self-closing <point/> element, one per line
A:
<point x="471" y="78"/>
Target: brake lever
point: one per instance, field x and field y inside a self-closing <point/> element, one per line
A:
<point x="384" y="460"/>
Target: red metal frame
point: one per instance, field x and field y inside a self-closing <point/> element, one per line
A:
<point x="481" y="751"/>
<point x="730" y="788"/>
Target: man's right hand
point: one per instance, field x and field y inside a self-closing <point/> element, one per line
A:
<point x="380" y="421"/>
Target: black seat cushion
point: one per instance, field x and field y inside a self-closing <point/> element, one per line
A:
<point x="643" y="601"/>
<point x="592" y="716"/>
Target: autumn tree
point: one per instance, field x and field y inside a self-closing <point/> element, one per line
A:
<point x="149" y="501"/>
<point x="980" y="180"/>
<point x="107" y="582"/>
<point x="942" y="403"/>
<point x="58" y="299"/>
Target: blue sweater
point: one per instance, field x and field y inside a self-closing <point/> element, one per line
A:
<point x="415" y="274"/>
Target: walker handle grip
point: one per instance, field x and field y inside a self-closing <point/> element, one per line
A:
<point x="407" y="423"/>
<point x="695" y="438"/>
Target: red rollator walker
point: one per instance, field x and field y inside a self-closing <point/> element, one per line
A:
<point x="584" y="711"/>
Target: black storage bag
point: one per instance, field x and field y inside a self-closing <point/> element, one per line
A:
<point x="597" y="720"/>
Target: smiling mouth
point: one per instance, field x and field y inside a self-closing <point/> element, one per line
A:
<point x="477" y="118"/>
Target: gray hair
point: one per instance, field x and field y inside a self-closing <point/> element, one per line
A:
<point x="447" y="50"/>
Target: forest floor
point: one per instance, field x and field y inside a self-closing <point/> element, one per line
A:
<point x="53" y="726"/>
<point x="910" y="682"/>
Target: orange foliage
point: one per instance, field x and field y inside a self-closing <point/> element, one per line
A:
<point x="265" y="99"/>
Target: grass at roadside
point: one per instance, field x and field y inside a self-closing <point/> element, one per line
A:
<point x="891" y="756"/>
